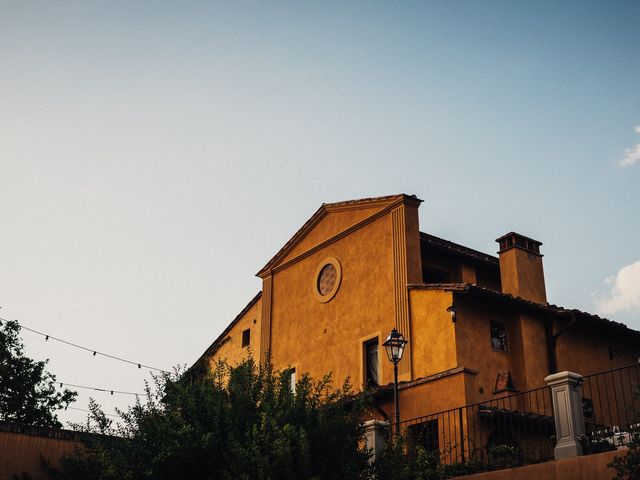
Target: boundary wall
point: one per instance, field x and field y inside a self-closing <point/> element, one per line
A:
<point x="587" y="467"/>
<point x="22" y="445"/>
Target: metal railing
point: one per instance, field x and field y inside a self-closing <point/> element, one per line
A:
<point x="611" y="405"/>
<point x="520" y="426"/>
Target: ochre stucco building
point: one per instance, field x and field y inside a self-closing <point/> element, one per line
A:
<point x="479" y="326"/>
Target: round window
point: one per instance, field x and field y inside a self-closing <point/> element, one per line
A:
<point x="327" y="279"/>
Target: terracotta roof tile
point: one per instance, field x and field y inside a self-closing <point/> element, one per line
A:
<point x="547" y="308"/>
<point x="370" y="199"/>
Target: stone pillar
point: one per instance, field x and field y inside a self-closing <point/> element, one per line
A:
<point x="567" y="413"/>
<point x="375" y="433"/>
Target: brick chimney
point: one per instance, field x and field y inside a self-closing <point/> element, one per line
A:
<point x="521" y="267"/>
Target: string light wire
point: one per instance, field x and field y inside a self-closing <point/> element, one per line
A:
<point x="89" y="411"/>
<point x="90" y="350"/>
<point x="105" y="390"/>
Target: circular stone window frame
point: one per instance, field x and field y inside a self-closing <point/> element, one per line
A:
<point x="316" y="279"/>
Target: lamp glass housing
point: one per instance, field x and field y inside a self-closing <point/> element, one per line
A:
<point x="394" y="346"/>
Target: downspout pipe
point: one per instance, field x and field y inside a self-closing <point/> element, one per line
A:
<point x="552" y="340"/>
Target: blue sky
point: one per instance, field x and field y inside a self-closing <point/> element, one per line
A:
<point x="154" y="155"/>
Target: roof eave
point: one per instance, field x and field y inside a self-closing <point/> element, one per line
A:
<point x="548" y="309"/>
<point x="224" y="333"/>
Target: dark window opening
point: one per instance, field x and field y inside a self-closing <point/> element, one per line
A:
<point x="488" y="278"/>
<point x="498" y="336"/>
<point x="431" y="275"/>
<point x="425" y="435"/>
<point x="371" y="370"/>
<point x="246" y="337"/>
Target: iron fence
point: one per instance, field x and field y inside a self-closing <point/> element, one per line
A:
<point x="518" y="426"/>
<point x="611" y="406"/>
<point x="522" y="426"/>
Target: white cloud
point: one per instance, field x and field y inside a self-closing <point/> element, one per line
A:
<point x="625" y="291"/>
<point x="631" y="155"/>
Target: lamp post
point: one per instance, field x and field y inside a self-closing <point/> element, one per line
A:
<point x="394" y="346"/>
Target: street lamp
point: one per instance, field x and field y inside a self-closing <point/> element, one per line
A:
<point x="394" y="346"/>
<point x="453" y="311"/>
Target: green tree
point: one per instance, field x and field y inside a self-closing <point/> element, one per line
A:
<point x="627" y="467"/>
<point x="241" y="422"/>
<point x="28" y="392"/>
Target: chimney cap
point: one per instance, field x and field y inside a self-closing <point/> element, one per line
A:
<point x="517" y="240"/>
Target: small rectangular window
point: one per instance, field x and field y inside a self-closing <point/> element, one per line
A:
<point x="292" y="380"/>
<point x="499" y="336"/>
<point x="371" y="365"/>
<point x="246" y="337"/>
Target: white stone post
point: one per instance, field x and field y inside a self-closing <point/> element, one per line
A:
<point x="567" y="413"/>
<point x="375" y="433"/>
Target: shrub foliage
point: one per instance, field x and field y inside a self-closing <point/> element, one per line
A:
<point x="241" y="422"/>
<point x="627" y="467"/>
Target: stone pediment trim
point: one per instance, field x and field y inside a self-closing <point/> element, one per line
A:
<point x="388" y="203"/>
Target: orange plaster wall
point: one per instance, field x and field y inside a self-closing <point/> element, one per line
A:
<point x="432" y="332"/>
<point x="431" y="397"/>
<point x="232" y="350"/>
<point x="585" y="350"/>
<point x="331" y="224"/>
<point x="473" y="345"/>
<point x="582" y="349"/>
<point x="534" y="345"/>
<point x="468" y="273"/>
<point x="588" y="467"/>
<point x="522" y="274"/>
<point x="21" y="453"/>
<point x="412" y="236"/>
<point x="326" y="337"/>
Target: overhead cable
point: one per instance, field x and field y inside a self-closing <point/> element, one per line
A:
<point x="89" y="411"/>
<point x="105" y="390"/>
<point x="90" y="350"/>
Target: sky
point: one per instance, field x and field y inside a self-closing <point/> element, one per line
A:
<point x="155" y="155"/>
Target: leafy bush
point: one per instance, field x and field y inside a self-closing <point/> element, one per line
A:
<point x="627" y="467"/>
<point x="397" y="463"/>
<point x="242" y="422"/>
<point x="593" y="444"/>
<point x="505" y="456"/>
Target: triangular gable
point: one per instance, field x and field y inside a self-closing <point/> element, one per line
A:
<point x="329" y="221"/>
